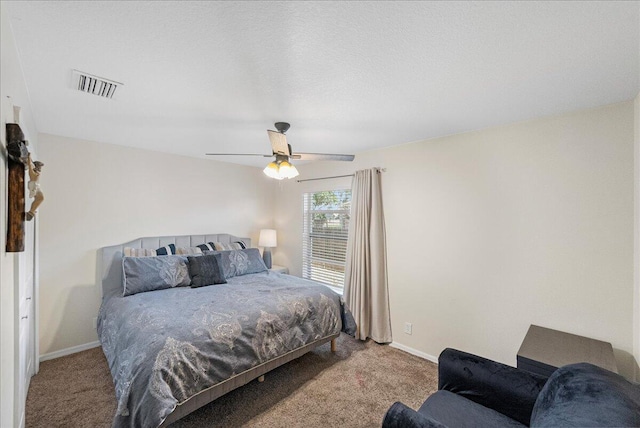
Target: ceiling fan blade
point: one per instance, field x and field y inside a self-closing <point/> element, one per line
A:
<point x="237" y="154"/>
<point x="323" y="156"/>
<point x="279" y="143"/>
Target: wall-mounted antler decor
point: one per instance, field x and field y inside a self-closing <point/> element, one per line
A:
<point x="18" y="157"/>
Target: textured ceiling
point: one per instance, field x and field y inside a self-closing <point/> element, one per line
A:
<point x="349" y="76"/>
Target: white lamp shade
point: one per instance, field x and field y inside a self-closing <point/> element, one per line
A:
<point x="268" y="238"/>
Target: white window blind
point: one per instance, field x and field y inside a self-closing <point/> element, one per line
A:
<point x="324" y="240"/>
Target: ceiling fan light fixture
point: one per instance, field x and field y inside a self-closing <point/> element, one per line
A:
<point x="271" y="171"/>
<point x="287" y="170"/>
<point x="280" y="169"/>
<point x="294" y="172"/>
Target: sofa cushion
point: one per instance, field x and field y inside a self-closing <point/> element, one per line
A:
<point x="401" y="416"/>
<point x="503" y="388"/>
<point x="583" y="395"/>
<point x="453" y="410"/>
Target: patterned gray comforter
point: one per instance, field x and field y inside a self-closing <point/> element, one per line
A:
<point x="165" y="346"/>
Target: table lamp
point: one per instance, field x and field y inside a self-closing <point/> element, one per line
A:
<point x="267" y="240"/>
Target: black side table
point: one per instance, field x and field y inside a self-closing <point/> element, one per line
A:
<point x="543" y="350"/>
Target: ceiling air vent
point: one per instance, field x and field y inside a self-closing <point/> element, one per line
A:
<point x="95" y="85"/>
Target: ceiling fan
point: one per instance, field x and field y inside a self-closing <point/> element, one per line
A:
<point x="281" y="167"/>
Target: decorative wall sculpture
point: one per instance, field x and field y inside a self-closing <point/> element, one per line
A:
<point x="18" y="157"/>
<point x="35" y="167"/>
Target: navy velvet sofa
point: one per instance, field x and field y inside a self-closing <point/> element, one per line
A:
<point x="477" y="392"/>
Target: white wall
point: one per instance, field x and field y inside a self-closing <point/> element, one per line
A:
<point x="491" y="231"/>
<point x="11" y="85"/>
<point x="101" y="194"/>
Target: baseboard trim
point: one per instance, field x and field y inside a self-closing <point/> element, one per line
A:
<point x="415" y="352"/>
<point x="90" y="345"/>
<point x="69" y="351"/>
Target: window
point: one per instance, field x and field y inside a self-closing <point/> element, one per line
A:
<point x="324" y="240"/>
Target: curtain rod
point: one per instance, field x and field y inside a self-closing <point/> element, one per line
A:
<point x="325" y="178"/>
<point x="337" y="176"/>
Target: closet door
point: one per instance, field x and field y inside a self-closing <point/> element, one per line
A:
<point x="26" y="322"/>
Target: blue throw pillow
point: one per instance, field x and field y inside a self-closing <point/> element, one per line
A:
<point x="207" y="247"/>
<point x="166" y="250"/>
<point x="205" y="270"/>
<point x="140" y="274"/>
<point x="241" y="262"/>
<point x="219" y="246"/>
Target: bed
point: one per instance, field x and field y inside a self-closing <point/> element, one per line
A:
<point x="174" y="350"/>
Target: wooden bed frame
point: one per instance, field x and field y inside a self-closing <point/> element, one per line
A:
<point x="110" y="277"/>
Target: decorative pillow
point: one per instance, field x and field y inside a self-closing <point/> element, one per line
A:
<point x="207" y="247"/>
<point x="139" y="252"/>
<point x="166" y="250"/>
<point x="188" y="251"/>
<point x="219" y="246"/>
<point x="142" y="274"/>
<point x="205" y="270"/>
<point x="146" y="252"/>
<point x="241" y="262"/>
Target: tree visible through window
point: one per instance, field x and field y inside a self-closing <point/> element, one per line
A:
<point x="324" y="240"/>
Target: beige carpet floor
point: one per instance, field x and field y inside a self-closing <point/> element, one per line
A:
<point x="353" y="387"/>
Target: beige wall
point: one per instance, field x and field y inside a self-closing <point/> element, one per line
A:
<point x="636" y="258"/>
<point x="101" y="194"/>
<point x="11" y="85"/>
<point x="488" y="231"/>
<point x="491" y="231"/>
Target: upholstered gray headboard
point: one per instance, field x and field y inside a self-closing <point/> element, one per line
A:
<point x="109" y="263"/>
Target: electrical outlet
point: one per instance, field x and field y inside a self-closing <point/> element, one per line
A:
<point x="407" y="327"/>
<point x="95" y="323"/>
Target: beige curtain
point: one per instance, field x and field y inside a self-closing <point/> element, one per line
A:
<point x="366" y="291"/>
